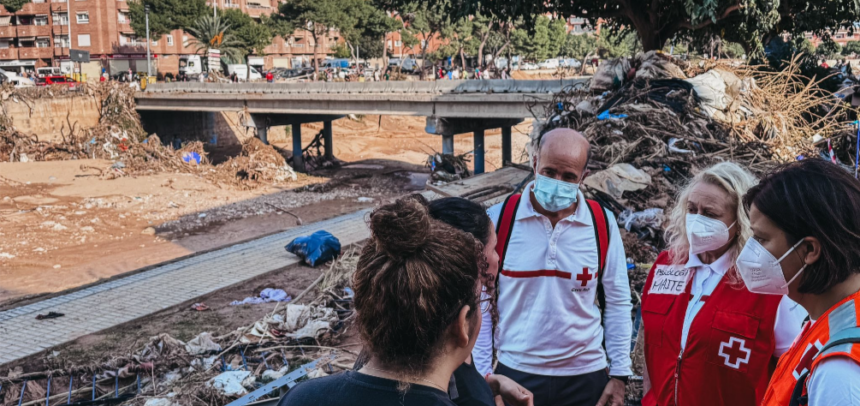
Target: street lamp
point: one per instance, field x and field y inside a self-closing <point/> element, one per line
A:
<point x="148" y="59"/>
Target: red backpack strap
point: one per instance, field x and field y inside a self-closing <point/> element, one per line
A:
<point x="506" y="225"/>
<point x="601" y="236"/>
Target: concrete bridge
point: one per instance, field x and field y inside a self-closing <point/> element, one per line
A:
<point x="451" y="106"/>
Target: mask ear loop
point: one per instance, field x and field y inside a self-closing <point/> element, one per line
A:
<point x="798" y="272"/>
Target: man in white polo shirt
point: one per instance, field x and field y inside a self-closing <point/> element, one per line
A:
<point x="549" y="337"/>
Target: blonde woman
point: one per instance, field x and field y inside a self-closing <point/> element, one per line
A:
<point x="708" y="340"/>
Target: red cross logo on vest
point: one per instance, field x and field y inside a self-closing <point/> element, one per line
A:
<point x="735" y="352"/>
<point x="585" y="276"/>
<point x="808" y="354"/>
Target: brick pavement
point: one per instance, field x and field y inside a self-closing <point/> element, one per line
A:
<point x="111" y="303"/>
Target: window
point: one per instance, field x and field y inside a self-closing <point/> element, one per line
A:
<point x="389" y="44"/>
<point x="423" y="43"/>
<point x="298" y="45"/>
<point x="155" y="43"/>
<point x="185" y="40"/>
<point x="83" y="40"/>
<point x="122" y="17"/>
<point x="398" y="43"/>
<point x="61" y="41"/>
<point x="60" y="18"/>
<point x="84" y="18"/>
<point x="840" y="36"/>
<point x="43" y="43"/>
<point x="169" y="39"/>
<point x="5" y="21"/>
<point x="38" y="1"/>
<point x="29" y="42"/>
<point x="25" y="20"/>
<point x="40" y="20"/>
<point x="4" y="43"/>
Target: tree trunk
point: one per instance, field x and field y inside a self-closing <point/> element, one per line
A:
<point x="462" y="58"/>
<point x="248" y="67"/>
<point x="385" y="51"/>
<point x="481" y="51"/>
<point x="651" y="39"/>
<point x="316" y="49"/>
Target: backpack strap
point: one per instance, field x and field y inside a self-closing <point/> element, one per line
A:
<point x="601" y="236"/>
<point x="506" y="226"/>
<point x="799" y="397"/>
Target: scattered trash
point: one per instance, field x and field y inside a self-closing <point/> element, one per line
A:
<point x="232" y="383"/>
<point x="672" y="148"/>
<point x="202" y="344"/>
<point x="50" y="315"/>
<point x="272" y="375"/>
<point x="266" y="296"/>
<point x="191" y="157"/>
<point x="297" y="322"/>
<point x="200" y="307"/>
<point x="317" y="248"/>
<point x="619" y="178"/>
<point x="448" y="168"/>
<point x="148" y="231"/>
<point x="646" y="220"/>
<point x="365" y="200"/>
<point x="6" y="255"/>
<point x="607" y="116"/>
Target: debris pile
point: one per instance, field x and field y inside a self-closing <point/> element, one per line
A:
<point x="258" y="163"/>
<point x="652" y="128"/>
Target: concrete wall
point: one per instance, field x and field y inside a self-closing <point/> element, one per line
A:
<point x="223" y="128"/>
<point x="46" y="116"/>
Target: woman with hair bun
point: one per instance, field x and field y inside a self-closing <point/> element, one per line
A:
<point x="417" y="292"/>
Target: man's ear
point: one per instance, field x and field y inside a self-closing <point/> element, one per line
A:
<point x="535" y="162"/>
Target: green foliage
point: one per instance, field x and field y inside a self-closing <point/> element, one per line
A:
<point x="852" y="47"/>
<point x="751" y="22"/>
<point x="828" y="49"/>
<point x="733" y="50"/>
<point x="13" y="5"/>
<point x="165" y="15"/>
<point x="617" y="44"/>
<point x="371" y="47"/>
<point x="214" y="33"/>
<point x="533" y="44"/>
<point x="557" y="36"/>
<point x="340" y="50"/>
<point x="579" y="46"/>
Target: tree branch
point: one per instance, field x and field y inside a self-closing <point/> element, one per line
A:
<point x="727" y="13"/>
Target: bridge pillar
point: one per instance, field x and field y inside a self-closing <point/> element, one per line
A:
<point x="298" y="161"/>
<point x="506" y="145"/>
<point x="327" y="138"/>
<point x="263" y="134"/>
<point x="479" y="151"/>
<point x="448" y="144"/>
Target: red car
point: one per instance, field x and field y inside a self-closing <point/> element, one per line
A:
<point x="56" y="80"/>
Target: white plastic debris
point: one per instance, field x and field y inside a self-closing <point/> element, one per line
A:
<point x="202" y="344"/>
<point x="232" y="383"/>
<point x="272" y="375"/>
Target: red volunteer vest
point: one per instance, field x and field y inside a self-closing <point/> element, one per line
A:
<point x="728" y="358"/>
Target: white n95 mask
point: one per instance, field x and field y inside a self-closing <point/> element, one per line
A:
<point x="762" y="272"/>
<point x="554" y="195"/>
<point x="706" y="234"/>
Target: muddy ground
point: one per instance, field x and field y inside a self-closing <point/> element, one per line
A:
<point x="62" y="227"/>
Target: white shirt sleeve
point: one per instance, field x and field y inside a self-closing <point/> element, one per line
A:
<point x="482" y="354"/>
<point x="836" y="381"/>
<point x="618" y="327"/>
<point x="788" y="324"/>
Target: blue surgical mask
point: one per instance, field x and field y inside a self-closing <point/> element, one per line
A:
<point x="554" y="195"/>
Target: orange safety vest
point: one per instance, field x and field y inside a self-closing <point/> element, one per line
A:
<point x="806" y="352"/>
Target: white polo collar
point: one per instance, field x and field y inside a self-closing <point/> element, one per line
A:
<point x="720" y="266"/>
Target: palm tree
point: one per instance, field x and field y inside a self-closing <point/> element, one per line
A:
<point x="213" y="33"/>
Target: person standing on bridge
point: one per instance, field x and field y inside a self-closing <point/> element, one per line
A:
<point x="709" y="341"/>
<point x="559" y="254"/>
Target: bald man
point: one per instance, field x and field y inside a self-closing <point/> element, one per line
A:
<point x="550" y="336"/>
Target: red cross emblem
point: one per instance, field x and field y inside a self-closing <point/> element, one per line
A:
<point x="735" y="352"/>
<point x="808" y="354"/>
<point x="585" y="276"/>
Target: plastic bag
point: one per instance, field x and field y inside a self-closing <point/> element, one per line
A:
<point x="317" y="248"/>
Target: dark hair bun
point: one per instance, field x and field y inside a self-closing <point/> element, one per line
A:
<point x="400" y="228"/>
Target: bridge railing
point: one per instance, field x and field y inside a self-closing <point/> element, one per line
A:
<point x="406" y="87"/>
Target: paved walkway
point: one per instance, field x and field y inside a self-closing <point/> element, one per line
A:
<point x="122" y="300"/>
<point x="108" y="304"/>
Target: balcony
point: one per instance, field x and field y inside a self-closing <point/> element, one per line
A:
<point x="255" y="10"/>
<point x="35" y="53"/>
<point x="8" y="53"/>
<point x="60" y="29"/>
<point x="124" y="27"/>
<point x="8" y="31"/>
<point x="56" y="6"/>
<point x="34" y="30"/>
<point x="35" y="8"/>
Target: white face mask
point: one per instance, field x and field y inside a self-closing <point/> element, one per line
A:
<point x="706" y="234"/>
<point x="762" y="272"/>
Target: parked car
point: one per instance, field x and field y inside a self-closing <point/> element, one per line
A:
<point x="19" y="81"/>
<point x="549" y="64"/>
<point x="571" y="63"/>
<point x="528" y="66"/>
<point x="56" y="80"/>
<point x="241" y="72"/>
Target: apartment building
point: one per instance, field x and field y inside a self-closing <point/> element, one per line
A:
<point x="41" y="33"/>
